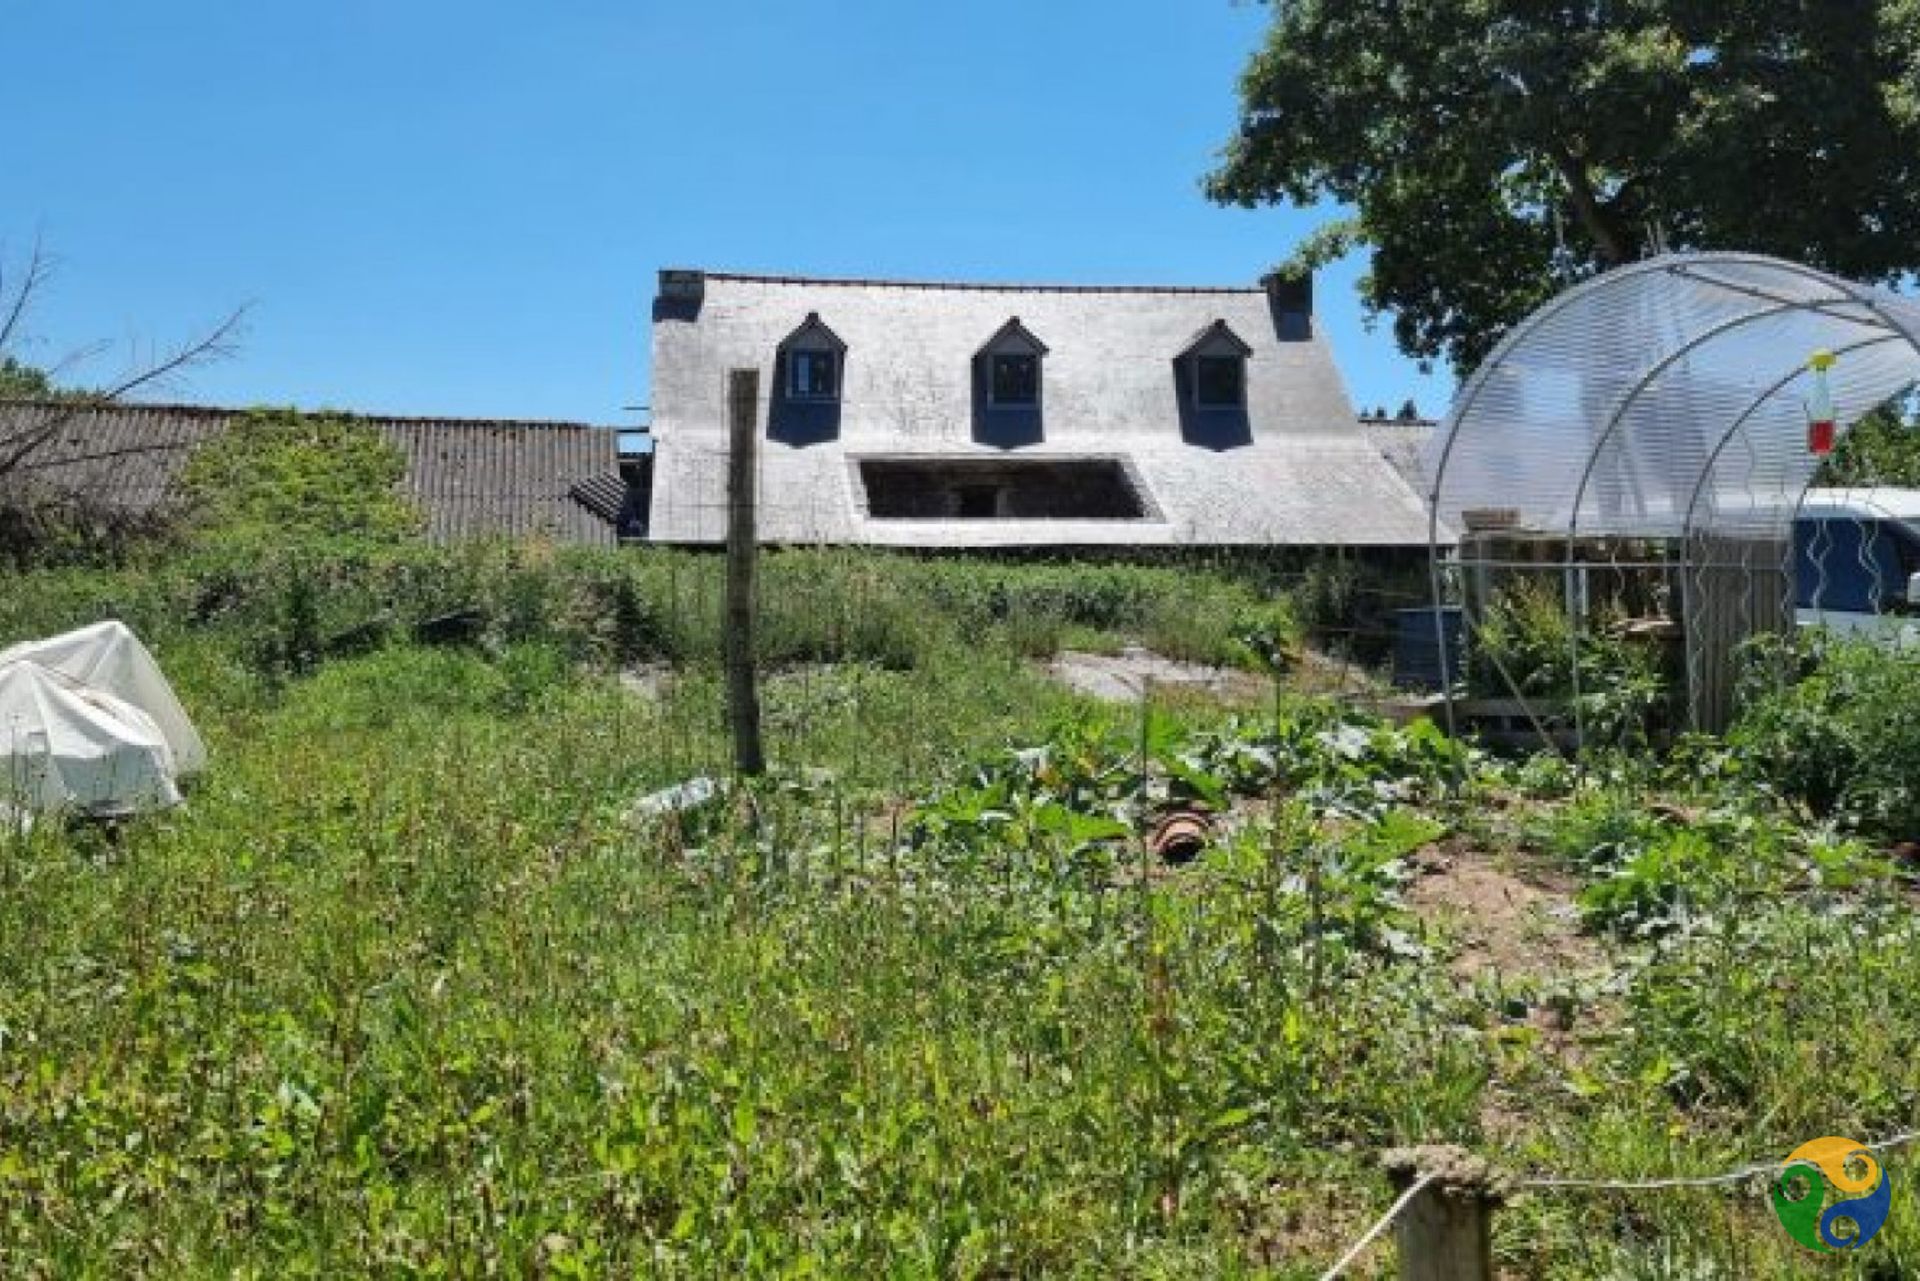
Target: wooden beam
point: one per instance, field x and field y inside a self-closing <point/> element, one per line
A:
<point x="1445" y="1232"/>
<point x="743" y="550"/>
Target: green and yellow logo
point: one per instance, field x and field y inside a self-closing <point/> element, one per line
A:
<point x="1831" y="1194"/>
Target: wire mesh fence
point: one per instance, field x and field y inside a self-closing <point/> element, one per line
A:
<point x="911" y="653"/>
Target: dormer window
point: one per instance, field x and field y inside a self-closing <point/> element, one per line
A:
<point x="812" y="356"/>
<point x="1012" y="358"/>
<point x="1217" y="359"/>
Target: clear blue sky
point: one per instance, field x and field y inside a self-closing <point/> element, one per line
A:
<point x="459" y="208"/>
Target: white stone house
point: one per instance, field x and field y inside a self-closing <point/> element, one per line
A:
<point x="927" y="415"/>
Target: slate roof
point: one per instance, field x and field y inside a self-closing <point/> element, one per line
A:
<point x="470" y="477"/>
<point x="1401" y="441"/>
<point x="1292" y="468"/>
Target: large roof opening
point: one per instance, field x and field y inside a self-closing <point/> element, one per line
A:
<point x="1001" y="489"/>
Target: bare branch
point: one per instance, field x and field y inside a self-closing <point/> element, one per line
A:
<point x="73" y="359"/>
<point x="217" y="344"/>
<point x="38" y="268"/>
<point x="131" y="451"/>
<point x="27" y="428"/>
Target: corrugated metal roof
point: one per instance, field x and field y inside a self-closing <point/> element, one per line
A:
<point x="1292" y="467"/>
<point x="470" y="477"/>
<point x="604" y="496"/>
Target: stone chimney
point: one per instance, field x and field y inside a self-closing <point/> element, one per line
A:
<point x="1290" y="297"/>
<point x="681" y="284"/>
<point x="1291" y="294"/>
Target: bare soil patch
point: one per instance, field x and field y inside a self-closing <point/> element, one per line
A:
<point x="650" y="682"/>
<point x="1517" y="923"/>
<point x="1121" y="677"/>
<point x="1518" y="928"/>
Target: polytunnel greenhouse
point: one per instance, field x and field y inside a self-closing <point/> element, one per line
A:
<point x="1665" y="419"/>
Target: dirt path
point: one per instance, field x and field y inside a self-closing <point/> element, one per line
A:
<point x="1516" y="928"/>
<point x="1518" y="924"/>
<point x="1120" y="678"/>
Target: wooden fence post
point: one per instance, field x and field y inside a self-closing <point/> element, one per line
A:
<point x="1445" y="1232"/>
<point x="743" y="549"/>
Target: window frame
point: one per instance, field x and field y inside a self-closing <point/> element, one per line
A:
<point x="833" y="362"/>
<point x="994" y="398"/>
<point x="1239" y="364"/>
<point x="1026" y="489"/>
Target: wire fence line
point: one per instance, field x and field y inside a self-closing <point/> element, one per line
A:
<point x="1738" y="1175"/>
<point x="1380" y="1225"/>
<point x="1719" y="590"/>
<point x="1497" y="1184"/>
<point x="830" y="616"/>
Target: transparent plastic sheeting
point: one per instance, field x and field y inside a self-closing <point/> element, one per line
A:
<point x="1668" y="399"/>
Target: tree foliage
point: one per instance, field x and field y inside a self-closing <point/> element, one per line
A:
<point x="20" y="381"/>
<point x="1881" y="449"/>
<point x="278" y="477"/>
<point x="1496" y="151"/>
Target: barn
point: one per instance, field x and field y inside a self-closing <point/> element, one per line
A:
<point x="470" y="478"/>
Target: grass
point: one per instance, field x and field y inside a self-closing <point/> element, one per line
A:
<point x="404" y="991"/>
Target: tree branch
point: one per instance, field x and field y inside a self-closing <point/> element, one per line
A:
<point x="1587" y="207"/>
<point x="38" y="268"/>
<point x="216" y="344"/>
<point x="131" y="451"/>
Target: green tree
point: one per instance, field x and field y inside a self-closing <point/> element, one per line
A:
<point x="23" y="382"/>
<point x="1496" y="151"/>
<point x="1881" y="449"/>
<point x="281" y="478"/>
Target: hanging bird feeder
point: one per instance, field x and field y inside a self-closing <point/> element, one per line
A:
<point x="1820" y="416"/>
